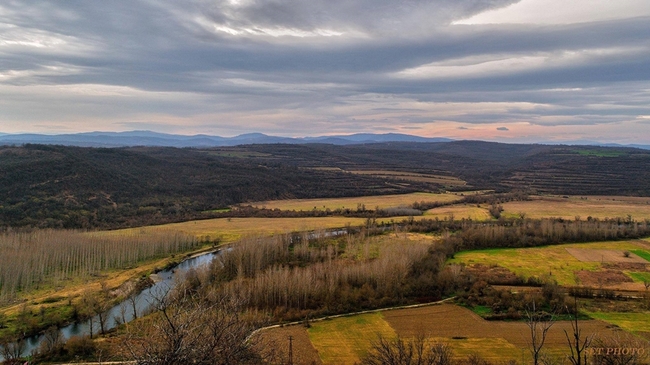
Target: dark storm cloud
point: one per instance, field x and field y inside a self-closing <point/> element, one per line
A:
<point x="366" y="62"/>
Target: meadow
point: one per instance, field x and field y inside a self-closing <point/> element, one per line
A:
<point x="570" y="207"/>
<point x="459" y="211"/>
<point x="227" y="230"/>
<point x="556" y="262"/>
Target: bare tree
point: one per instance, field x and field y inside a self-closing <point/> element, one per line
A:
<point x="132" y="299"/>
<point x="619" y="348"/>
<point x="399" y="351"/>
<point x="538" y="322"/>
<point x="188" y="328"/>
<point x="52" y="340"/>
<point x="578" y="342"/>
<point x="12" y="350"/>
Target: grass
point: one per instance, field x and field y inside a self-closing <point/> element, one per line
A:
<point x="642" y="253"/>
<point x="232" y="229"/>
<point x="633" y="322"/>
<point x="640" y="277"/>
<point x="575" y="206"/>
<point x="543" y="262"/>
<point x="492" y="349"/>
<point x="482" y="310"/>
<point x="370" y="202"/>
<point x="345" y="340"/>
<point x="459" y="212"/>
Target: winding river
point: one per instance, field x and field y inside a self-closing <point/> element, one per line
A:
<point x="123" y="312"/>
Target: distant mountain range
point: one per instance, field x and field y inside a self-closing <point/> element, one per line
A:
<point x="149" y="138"/>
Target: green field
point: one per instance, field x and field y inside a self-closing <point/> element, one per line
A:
<point x="553" y="262"/>
<point x="633" y="322"/>
<point x="643" y="253"/>
<point x="641" y="277"/>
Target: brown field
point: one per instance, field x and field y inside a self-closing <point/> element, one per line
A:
<point x="370" y="202"/>
<point x="594" y="255"/>
<point x="583" y="207"/>
<point x="412" y="176"/>
<point x="463" y="330"/>
<point x="277" y="341"/>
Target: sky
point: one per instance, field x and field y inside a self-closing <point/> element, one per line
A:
<point x="501" y="70"/>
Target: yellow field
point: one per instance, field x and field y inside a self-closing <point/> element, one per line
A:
<point x="568" y="208"/>
<point x="553" y="262"/>
<point x="345" y="340"/>
<point x="370" y="202"/>
<point x="232" y="229"/>
<point x="459" y="212"/>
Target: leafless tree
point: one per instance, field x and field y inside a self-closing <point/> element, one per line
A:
<point x="619" y="348"/>
<point x="578" y="342"/>
<point x="12" y="350"/>
<point x="52" y="340"/>
<point x="538" y="322"/>
<point x="188" y="328"/>
<point x="399" y="351"/>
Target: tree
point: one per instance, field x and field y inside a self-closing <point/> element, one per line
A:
<point x="538" y="322"/>
<point x="12" y="350"/>
<point x="188" y="328"/>
<point x="3" y="320"/>
<point x="578" y="342"/>
<point x="399" y="351"/>
<point x="619" y="348"/>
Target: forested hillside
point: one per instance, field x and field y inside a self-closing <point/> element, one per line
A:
<point x="74" y="187"/>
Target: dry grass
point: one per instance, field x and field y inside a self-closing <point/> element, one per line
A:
<point x="594" y="255"/>
<point x="370" y="202"/>
<point x="233" y="229"/>
<point x="459" y="212"/>
<point x="544" y="262"/>
<point x="345" y="340"/>
<point x="571" y="207"/>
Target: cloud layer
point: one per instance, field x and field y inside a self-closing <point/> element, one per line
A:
<point x="454" y="68"/>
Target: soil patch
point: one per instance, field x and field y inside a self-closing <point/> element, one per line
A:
<point x="602" y="278"/>
<point x="496" y="275"/>
<point x="277" y="339"/>
<point x="593" y="255"/>
<point x="627" y="266"/>
<point x="451" y="321"/>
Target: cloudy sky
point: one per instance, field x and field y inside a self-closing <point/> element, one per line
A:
<point x="505" y="70"/>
